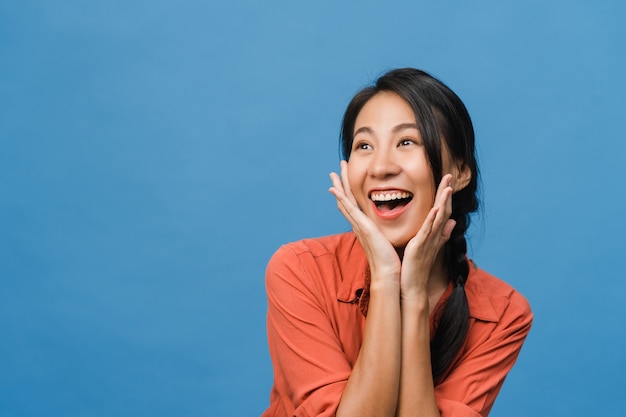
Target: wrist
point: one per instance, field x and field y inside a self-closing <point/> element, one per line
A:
<point x="415" y="299"/>
<point x="415" y="289"/>
<point x="389" y="275"/>
<point x="385" y="286"/>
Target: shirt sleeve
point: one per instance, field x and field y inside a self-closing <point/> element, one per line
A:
<point x="310" y="368"/>
<point x="491" y="351"/>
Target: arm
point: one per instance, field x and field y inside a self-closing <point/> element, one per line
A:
<point x="372" y="389"/>
<point x="384" y="368"/>
<point x="417" y="391"/>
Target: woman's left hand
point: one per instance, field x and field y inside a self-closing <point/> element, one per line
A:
<point x="422" y="250"/>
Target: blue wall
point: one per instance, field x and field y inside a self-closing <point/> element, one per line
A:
<point x="154" y="154"/>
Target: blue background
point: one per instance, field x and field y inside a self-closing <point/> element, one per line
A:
<point x="154" y="154"/>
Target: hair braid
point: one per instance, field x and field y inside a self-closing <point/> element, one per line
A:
<point x="453" y="320"/>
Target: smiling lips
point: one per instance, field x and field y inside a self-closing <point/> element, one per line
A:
<point x="390" y="204"/>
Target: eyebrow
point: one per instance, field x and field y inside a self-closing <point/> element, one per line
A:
<point x="396" y="129"/>
<point x="404" y="126"/>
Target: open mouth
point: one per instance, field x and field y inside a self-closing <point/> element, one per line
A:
<point x="390" y="201"/>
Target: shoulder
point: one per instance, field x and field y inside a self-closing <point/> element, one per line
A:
<point x="319" y="246"/>
<point x="341" y="247"/>
<point x="492" y="299"/>
<point x="327" y="261"/>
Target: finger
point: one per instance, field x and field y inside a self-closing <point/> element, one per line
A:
<point x="437" y="213"/>
<point x="441" y="189"/>
<point x="449" y="191"/>
<point x="419" y="242"/>
<point x="433" y="227"/>
<point x="339" y="191"/>
<point x="346" y="201"/>
<point x="346" y="182"/>
<point x="444" y="206"/>
<point x="443" y="201"/>
<point x="447" y="230"/>
<point x="346" y="206"/>
<point x="427" y="225"/>
<point x="337" y="187"/>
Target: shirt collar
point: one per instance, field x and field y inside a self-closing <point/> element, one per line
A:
<point x="481" y="301"/>
<point x="355" y="288"/>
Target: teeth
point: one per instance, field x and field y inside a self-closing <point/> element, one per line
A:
<point x="384" y="196"/>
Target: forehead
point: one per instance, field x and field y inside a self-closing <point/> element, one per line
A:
<point x="384" y="111"/>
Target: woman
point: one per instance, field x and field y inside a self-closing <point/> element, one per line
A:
<point x="392" y="319"/>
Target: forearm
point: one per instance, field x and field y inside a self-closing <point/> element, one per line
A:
<point x="417" y="392"/>
<point x="373" y="386"/>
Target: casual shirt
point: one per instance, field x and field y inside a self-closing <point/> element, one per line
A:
<point x="317" y="293"/>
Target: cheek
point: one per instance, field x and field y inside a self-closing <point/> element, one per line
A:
<point x="422" y="177"/>
<point x="418" y="168"/>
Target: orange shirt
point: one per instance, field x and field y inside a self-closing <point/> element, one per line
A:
<point x="315" y="324"/>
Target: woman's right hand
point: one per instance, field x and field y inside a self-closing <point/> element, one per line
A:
<point x="383" y="259"/>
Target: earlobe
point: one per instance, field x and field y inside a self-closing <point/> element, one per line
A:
<point x="461" y="177"/>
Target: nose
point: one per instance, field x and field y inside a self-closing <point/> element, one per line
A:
<point x="383" y="164"/>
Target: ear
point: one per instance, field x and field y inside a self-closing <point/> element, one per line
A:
<point x="461" y="176"/>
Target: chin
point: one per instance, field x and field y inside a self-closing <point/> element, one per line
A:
<point x="399" y="242"/>
<point x="398" y="235"/>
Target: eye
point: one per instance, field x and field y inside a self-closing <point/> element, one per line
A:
<point x="407" y="142"/>
<point x="361" y="146"/>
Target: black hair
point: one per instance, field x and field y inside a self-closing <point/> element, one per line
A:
<point x="441" y="116"/>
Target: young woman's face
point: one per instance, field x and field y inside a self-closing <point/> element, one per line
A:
<point x="388" y="169"/>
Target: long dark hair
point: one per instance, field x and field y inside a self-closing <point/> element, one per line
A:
<point x="439" y="113"/>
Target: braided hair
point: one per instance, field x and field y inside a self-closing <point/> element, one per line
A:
<point x="442" y="120"/>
